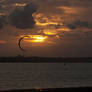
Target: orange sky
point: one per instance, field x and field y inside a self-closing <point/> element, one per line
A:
<point x="62" y="28"/>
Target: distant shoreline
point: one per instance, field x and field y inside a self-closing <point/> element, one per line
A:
<point x="21" y="59"/>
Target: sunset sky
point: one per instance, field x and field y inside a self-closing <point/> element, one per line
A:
<point x="56" y="28"/>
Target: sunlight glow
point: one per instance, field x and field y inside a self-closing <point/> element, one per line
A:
<point x="69" y="10"/>
<point x="20" y="4"/>
<point x="45" y="24"/>
<point x="50" y="32"/>
<point x="2" y="42"/>
<point x="57" y="36"/>
<point x="36" y="38"/>
<point x="2" y="14"/>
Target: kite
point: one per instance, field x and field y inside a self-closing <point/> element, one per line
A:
<point x="19" y="42"/>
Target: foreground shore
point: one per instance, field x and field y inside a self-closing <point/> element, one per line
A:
<point x="51" y="90"/>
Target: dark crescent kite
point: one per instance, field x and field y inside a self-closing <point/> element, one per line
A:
<point x="19" y="42"/>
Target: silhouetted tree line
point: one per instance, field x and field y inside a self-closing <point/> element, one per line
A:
<point x="18" y="59"/>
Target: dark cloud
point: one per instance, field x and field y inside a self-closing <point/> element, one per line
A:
<point x="22" y="18"/>
<point x="58" y="26"/>
<point x="78" y="24"/>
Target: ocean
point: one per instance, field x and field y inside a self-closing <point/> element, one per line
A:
<point x="44" y="75"/>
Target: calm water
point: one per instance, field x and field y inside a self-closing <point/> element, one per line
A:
<point x="44" y="75"/>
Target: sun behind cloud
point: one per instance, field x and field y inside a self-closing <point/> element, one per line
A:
<point x="35" y="38"/>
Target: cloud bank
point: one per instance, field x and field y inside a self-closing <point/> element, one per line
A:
<point x="79" y="24"/>
<point x="22" y="18"/>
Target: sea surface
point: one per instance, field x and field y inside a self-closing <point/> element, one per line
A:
<point x="44" y="75"/>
